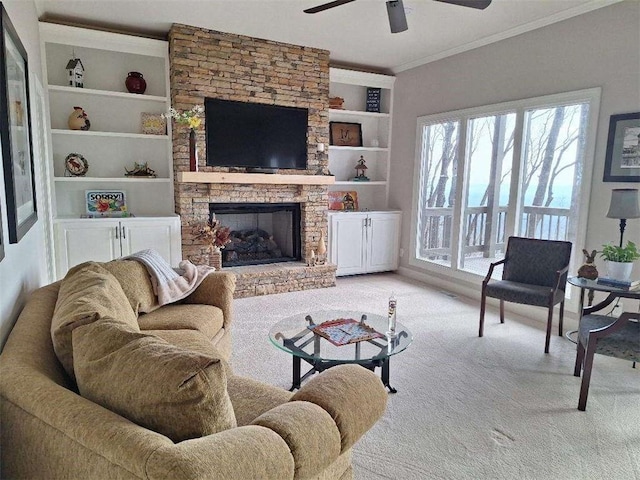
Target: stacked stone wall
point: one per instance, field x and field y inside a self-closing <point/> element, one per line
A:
<point x="211" y="64"/>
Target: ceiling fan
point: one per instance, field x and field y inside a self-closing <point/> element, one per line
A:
<point x="395" y="10"/>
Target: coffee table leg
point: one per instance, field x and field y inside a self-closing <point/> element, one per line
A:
<point x="384" y="375"/>
<point x="296" y="373"/>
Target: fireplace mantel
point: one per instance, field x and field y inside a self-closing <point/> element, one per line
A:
<point x="254" y="178"/>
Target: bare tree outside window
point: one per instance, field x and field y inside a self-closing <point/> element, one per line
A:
<point x="551" y="145"/>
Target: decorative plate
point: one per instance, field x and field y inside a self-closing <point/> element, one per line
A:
<point x="76" y="165"/>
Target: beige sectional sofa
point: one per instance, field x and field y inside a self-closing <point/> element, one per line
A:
<point x="49" y="430"/>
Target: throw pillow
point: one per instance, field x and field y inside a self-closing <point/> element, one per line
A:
<point x="88" y="292"/>
<point x="136" y="283"/>
<point x="173" y="391"/>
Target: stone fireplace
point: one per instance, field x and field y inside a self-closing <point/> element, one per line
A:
<point x="261" y="233"/>
<point x="210" y="64"/>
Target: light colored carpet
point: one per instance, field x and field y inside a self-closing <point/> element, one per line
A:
<point x="495" y="407"/>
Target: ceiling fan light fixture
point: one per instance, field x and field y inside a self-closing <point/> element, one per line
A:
<point x="397" y="17"/>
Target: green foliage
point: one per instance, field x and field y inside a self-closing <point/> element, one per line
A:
<point x="626" y="254"/>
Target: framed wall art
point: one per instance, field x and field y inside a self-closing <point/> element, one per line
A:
<point x="345" y="134"/>
<point x="622" y="162"/>
<point x="15" y="132"/>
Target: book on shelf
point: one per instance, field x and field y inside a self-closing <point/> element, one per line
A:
<point x="624" y="284"/>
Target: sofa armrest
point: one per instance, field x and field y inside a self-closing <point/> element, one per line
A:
<point x="353" y="396"/>
<point x="236" y="454"/>
<point x="310" y="432"/>
<point x="216" y="289"/>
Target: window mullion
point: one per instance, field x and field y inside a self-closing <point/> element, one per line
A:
<point x="515" y="190"/>
<point x="461" y="185"/>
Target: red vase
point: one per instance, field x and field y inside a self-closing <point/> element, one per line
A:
<point x="193" y="151"/>
<point x="135" y="83"/>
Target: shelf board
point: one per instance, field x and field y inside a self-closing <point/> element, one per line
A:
<point x="361" y="149"/>
<point x="106" y="93"/>
<point x="358" y="113"/>
<point x="254" y="178"/>
<point x="351" y="182"/>
<point x="111" y="179"/>
<point x="89" y="133"/>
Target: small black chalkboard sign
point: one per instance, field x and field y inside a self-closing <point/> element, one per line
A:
<point x="373" y="99"/>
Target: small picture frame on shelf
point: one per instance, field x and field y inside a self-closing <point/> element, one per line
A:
<point x="106" y="203"/>
<point x="344" y="134"/>
<point x="345" y="201"/>
<point x="153" y="124"/>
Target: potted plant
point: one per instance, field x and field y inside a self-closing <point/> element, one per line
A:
<point x="619" y="260"/>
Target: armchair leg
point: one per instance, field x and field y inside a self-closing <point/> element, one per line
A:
<point x="579" y="359"/>
<point x="586" y="375"/>
<point x="561" y="319"/>
<point x="483" y="302"/>
<point x="549" y="321"/>
<point x="501" y="311"/>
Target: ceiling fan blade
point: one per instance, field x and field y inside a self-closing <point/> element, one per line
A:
<point x="479" y="4"/>
<point x="327" y="6"/>
<point x="397" y="17"/>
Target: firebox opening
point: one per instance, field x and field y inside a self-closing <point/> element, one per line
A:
<point x="260" y="232"/>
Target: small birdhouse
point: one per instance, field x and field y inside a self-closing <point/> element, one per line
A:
<point x="75" y="69"/>
<point x="361" y="168"/>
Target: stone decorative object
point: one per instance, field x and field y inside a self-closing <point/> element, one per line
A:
<point x="78" y="119"/>
<point x="135" y="83"/>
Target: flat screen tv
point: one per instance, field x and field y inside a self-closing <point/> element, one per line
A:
<point x="241" y="134"/>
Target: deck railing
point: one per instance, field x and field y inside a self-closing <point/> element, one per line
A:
<point x="537" y="222"/>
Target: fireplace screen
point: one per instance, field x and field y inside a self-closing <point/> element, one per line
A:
<point x="260" y="232"/>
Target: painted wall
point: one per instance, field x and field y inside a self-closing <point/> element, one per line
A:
<point x="598" y="49"/>
<point x="24" y="266"/>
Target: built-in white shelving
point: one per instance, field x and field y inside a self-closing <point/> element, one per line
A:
<point x="376" y="136"/>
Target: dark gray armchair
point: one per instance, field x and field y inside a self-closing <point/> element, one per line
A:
<point x="534" y="273"/>
<point x="609" y="336"/>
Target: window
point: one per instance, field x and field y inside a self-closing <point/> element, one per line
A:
<point x="484" y="174"/>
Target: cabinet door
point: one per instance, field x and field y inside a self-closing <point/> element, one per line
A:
<point x="81" y="241"/>
<point x="157" y="234"/>
<point x="347" y="243"/>
<point x="383" y="241"/>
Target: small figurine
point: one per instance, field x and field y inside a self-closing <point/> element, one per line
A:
<point x="360" y="169"/>
<point x="588" y="270"/>
<point x="140" y="170"/>
<point x="75" y="69"/>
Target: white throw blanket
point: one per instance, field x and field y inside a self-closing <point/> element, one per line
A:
<point x="169" y="284"/>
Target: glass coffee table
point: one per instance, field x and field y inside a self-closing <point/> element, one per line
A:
<point x="294" y="335"/>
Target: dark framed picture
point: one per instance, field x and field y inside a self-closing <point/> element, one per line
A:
<point x="345" y="134"/>
<point x="622" y="162"/>
<point x="15" y="132"/>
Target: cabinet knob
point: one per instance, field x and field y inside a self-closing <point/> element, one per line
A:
<point x="124" y="232"/>
<point x="117" y="227"/>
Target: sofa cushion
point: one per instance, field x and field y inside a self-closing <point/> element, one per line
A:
<point x="206" y="319"/>
<point x="87" y="293"/>
<point x="136" y="283"/>
<point x="176" y="392"/>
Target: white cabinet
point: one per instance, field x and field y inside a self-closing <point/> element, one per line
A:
<point x="376" y="135"/>
<point x="105" y="239"/>
<point x="364" y="242"/>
